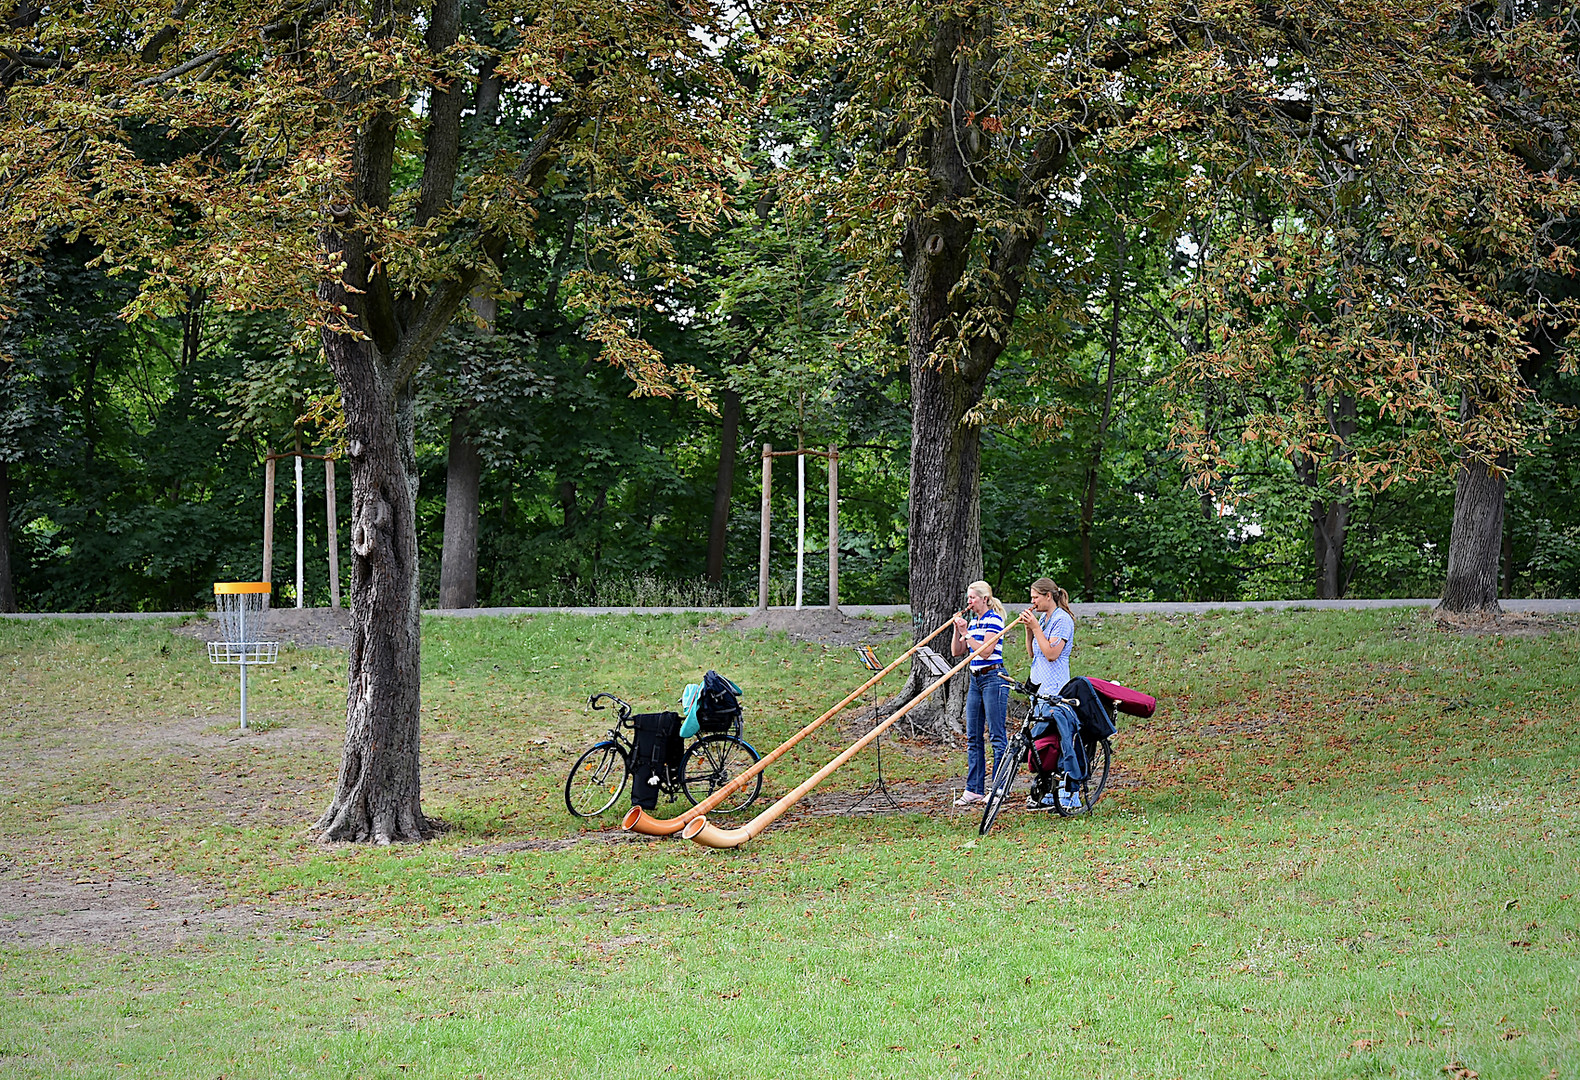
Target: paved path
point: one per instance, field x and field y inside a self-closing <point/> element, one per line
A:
<point x="1534" y="607"/>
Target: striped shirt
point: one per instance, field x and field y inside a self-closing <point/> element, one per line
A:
<point x="982" y="627"/>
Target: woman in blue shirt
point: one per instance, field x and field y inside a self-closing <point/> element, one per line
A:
<point x="1050" y="632"/>
<point x="1050" y="637"/>
<point x="987" y="700"/>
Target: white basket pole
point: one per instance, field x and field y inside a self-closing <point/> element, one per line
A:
<point x="243" y="665"/>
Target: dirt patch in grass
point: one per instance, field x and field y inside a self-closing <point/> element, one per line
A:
<point x="124" y="912"/>
<point x="1504" y="624"/>
<point x="821" y="626"/>
<point x="303" y="628"/>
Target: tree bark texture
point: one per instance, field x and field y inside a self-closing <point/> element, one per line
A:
<point x="729" y="446"/>
<point x="378" y="795"/>
<point x="1476" y="540"/>
<point x="1330" y="521"/>
<point x="458" y="562"/>
<point x="947" y="382"/>
<point x="1089" y="499"/>
<point x="463" y="480"/>
<point x="1329" y="516"/>
<point x="7" y="587"/>
<point x="945" y="512"/>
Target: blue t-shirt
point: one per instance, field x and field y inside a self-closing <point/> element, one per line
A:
<point x="1051" y="675"/>
<point x="982" y="627"/>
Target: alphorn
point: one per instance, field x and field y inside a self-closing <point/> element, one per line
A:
<point x="638" y="820"/>
<point x="709" y="835"/>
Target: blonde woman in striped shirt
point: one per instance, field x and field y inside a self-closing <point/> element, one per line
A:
<point x="987" y="700"/>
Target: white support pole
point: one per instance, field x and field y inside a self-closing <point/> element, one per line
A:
<point x="833" y="528"/>
<point x="800" y="524"/>
<point x="762" y="550"/>
<point x="334" y="535"/>
<point x="243" y="635"/>
<point x="299" y="519"/>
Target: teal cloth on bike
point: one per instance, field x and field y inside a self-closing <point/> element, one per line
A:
<point x="689" y="699"/>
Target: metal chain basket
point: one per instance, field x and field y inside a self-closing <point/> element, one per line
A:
<point x="243" y="610"/>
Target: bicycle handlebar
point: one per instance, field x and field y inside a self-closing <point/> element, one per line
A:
<point x="623" y="708"/>
<point x="1033" y="691"/>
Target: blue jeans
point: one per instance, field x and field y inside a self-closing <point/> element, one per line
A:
<point x="1072" y="753"/>
<point x="987" y="700"/>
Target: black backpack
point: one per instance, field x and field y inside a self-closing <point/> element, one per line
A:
<point x="719" y="708"/>
<point x="657" y="760"/>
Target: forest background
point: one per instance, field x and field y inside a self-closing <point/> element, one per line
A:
<point x="131" y="449"/>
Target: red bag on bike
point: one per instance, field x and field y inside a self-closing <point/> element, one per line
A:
<point x="1043" y="757"/>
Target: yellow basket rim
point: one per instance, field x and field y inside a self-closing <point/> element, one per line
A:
<point x="224" y="588"/>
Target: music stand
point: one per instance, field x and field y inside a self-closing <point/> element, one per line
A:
<point x="870" y="660"/>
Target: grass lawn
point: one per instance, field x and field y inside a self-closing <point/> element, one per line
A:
<point x="1347" y="845"/>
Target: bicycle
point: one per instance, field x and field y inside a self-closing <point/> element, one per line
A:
<point x="1091" y="788"/>
<point x="710" y="761"/>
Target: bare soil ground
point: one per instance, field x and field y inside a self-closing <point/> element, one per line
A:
<point x="331" y="627"/>
<point x="822" y="626"/>
<point x="124" y="912"/>
<point x="1506" y="624"/>
<point x="315" y="628"/>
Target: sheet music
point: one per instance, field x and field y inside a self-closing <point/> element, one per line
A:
<point x="932" y="662"/>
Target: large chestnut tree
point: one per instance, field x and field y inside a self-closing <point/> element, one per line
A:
<point x="333" y="157"/>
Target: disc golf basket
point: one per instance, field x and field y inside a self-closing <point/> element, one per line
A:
<point x="243" y="608"/>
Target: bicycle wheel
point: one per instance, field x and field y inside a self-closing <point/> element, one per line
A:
<point x="1096" y="781"/>
<point x="1003" y="779"/>
<point x="712" y="762"/>
<point x="596" y="780"/>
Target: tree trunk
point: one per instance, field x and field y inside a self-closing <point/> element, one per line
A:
<point x="7" y="589"/>
<point x="378" y="795"/>
<point x="729" y="446"/>
<point x="463" y="476"/>
<point x="1330" y="518"/>
<point x="945" y="515"/>
<point x="938" y="246"/>
<point x="1329" y="526"/>
<point x="569" y="512"/>
<point x="1089" y="499"/>
<point x="458" y="562"/>
<point x="1477" y="539"/>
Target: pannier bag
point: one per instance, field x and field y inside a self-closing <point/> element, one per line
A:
<point x="1045" y="756"/>
<point x="659" y="750"/>
<point x="719" y="708"/>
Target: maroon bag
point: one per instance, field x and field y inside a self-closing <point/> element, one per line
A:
<point x="1043" y="757"/>
<point x="1125" y="699"/>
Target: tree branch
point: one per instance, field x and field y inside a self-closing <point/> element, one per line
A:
<point x="443" y="141"/>
<point x="180" y="69"/>
<point x="164" y="35"/>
